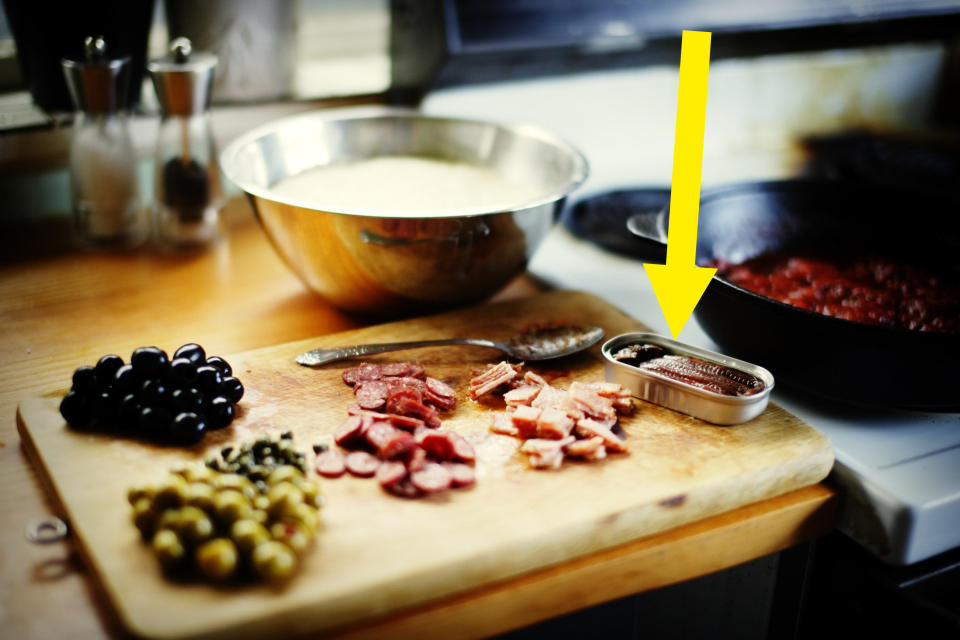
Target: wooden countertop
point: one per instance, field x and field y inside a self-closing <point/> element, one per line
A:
<point x="60" y="308"/>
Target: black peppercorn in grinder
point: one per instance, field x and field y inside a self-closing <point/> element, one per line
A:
<point x="187" y="193"/>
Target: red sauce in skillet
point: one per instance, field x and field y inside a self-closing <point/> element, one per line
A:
<point x="861" y="288"/>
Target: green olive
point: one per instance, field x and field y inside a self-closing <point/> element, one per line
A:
<point x="247" y="534"/>
<point x="217" y="559"/>
<point x="284" y="473"/>
<point x="283" y="498"/>
<point x="201" y="495"/>
<point x="169" y="519"/>
<point x="230" y="505"/>
<point x="194" y="525"/>
<point x="169" y="549"/>
<point x="135" y="493"/>
<point x="274" y="561"/>
<point x="291" y="534"/>
<point x="306" y="517"/>
<point x="309" y="489"/>
<point x="223" y="481"/>
<point x="144" y="517"/>
<point x="171" y="493"/>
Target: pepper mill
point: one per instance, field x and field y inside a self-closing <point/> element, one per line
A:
<point x="103" y="166"/>
<point x="187" y="193"/>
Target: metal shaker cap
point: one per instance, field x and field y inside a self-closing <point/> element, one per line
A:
<point x="183" y="79"/>
<point x="97" y="84"/>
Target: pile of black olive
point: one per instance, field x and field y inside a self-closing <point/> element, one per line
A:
<point x="154" y="397"/>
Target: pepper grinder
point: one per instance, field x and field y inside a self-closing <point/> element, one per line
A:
<point x="187" y="193"/>
<point x="103" y="167"/>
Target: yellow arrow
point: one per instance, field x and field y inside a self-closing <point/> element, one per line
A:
<point x="679" y="284"/>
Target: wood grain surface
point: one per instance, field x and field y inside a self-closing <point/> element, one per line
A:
<point x="378" y="555"/>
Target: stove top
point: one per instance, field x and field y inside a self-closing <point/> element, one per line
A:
<point x="898" y="472"/>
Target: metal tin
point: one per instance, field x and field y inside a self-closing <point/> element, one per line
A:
<point x="699" y="403"/>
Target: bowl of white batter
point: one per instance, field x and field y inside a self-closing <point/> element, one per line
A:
<point x="392" y="212"/>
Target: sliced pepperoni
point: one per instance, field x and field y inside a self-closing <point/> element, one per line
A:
<point x="396" y="369"/>
<point x="380" y="433"/>
<point x="399" y="445"/>
<point x="462" y="449"/>
<point x="440" y="402"/>
<point x="405" y="422"/>
<point x="416" y="458"/>
<point x="440" y="388"/>
<point x="402" y="399"/>
<point x="361" y="464"/>
<point x="349" y="431"/>
<point x="416" y="370"/>
<point x="461" y="475"/>
<point x="350" y="376"/>
<point x="404" y="405"/>
<point x="432" y="478"/>
<point x="390" y="473"/>
<point x="369" y="372"/>
<point x="330" y="464"/>
<point x="437" y="444"/>
<point x="403" y="489"/>
<point x="371" y="394"/>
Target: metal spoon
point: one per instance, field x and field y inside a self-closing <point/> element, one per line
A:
<point x="540" y="344"/>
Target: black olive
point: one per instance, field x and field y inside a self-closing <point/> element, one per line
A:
<point x="221" y="364"/>
<point x="192" y="352"/>
<point x="189" y="399"/>
<point x="149" y="361"/>
<point x="104" y="406"/>
<point x="187" y="428"/>
<point x="209" y="378"/>
<point x="125" y="379"/>
<point x="154" y="422"/>
<point x="128" y="412"/>
<point x="231" y="388"/>
<point x="75" y="409"/>
<point x="153" y="392"/>
<point x="84" y="379"/>
<point x="106" y="368"/>
<point x="183" y="370"/>
<point x="219" y="412"/>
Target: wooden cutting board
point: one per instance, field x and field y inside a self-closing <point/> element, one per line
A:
<point x="378" y="554"/>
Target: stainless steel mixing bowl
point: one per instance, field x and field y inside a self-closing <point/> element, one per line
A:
<point x="385" y="263"/>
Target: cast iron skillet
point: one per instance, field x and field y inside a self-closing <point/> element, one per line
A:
<point x="840" y="359"/>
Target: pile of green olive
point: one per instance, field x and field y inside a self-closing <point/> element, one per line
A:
<point x="225" y="527"/>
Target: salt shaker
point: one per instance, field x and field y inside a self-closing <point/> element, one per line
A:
<point x="103" y="166"/>
<point x="187" y="192"/>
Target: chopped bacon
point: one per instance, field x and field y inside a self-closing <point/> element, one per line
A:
<point x="541" y="446"/>
<point x="591" y="402"/>
<point x="525" y="420"/>
<point x="491" y="379"/>
<point x="554" y="424"/>
<point x="524" y="394"/>
<point x="503" y="424"/>
<point x="589" y="448"/>
<point x="552" y="397"/>
<point x="532" y="378"/>
<point x="609" y="389"/>
<point x="551" y="460"/>
<point x="588" y="428"/>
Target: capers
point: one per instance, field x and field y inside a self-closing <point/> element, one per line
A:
<point x="249" y="514"/>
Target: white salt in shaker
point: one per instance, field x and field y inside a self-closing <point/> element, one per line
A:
<point x="103" y="166"/>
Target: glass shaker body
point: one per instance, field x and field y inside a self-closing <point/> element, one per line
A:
<point x="103" y="182"/>
<point x="187" y="191"/>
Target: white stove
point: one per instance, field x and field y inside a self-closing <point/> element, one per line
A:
<point x="898" y="472"/>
